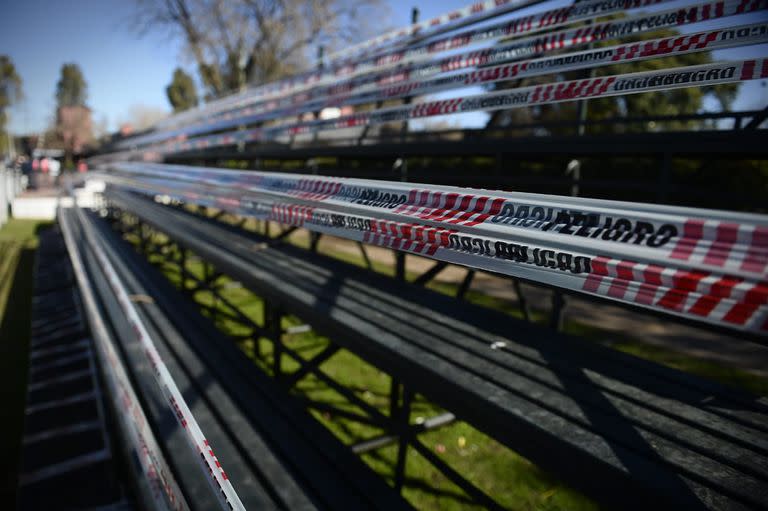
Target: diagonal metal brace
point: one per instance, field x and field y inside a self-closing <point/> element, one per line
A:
<point x="430" y="274"/>
<point x="310" y="365"/>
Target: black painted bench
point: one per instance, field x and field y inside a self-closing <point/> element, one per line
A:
<point x="276" y="455"/>
<point x="630" y="433"/>
<point x="69" y="457"/>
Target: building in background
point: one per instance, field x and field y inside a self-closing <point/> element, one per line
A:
<point x="74" y="128"/>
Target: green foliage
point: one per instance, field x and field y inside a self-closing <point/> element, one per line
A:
<point x="10" y="92"/>
<point x="181" y="91"/>
<point x="71" y="90"/>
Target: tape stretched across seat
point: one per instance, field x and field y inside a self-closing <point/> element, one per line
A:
<point x="704" y="265"/>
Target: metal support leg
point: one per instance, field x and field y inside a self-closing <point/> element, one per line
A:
<point x="142" y="238"/>
<point x="272" y="317"/>
<point x="400" y="266"/>
<point x="464" y="287"/>
<point x="558" y="309"/>
<point x="394" y="398"/>
<point x="209" y="275"/>
<point x="183" y="268"/>
<point x="364" y="253"/>
<point x="314" y="240"/>
<point x="405" y="433"/>
<point x="522" y="300"/>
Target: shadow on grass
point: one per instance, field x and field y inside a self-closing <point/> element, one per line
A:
<point x="14" y="355"/>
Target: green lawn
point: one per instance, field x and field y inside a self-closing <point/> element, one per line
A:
<point x="18" y="242"/>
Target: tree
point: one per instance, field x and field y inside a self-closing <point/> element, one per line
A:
<point x="181" y="92"/>
<point x="140" y="117"/>
<point x="10" y="93"/>
<point x="74" y="126"/>
<point x="71" y="89"/>
<point x="239" y="42"/>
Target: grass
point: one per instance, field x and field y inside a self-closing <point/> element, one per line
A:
<point x="18" y="242"/>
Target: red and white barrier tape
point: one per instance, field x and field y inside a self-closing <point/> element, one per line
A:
<point x="707" y="265"/>
<point x="469" y="13"/>
<point x="572" y="37"/>
<point x="520" y="26"/>
<point x="164" y="491"/>
<point x="514" y="28"/>
<point x="210" y="465"/>
<point x="371" y="92"/>
<point x="615" y="85"/>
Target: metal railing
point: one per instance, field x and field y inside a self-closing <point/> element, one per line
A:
<point x="10" y="186"/>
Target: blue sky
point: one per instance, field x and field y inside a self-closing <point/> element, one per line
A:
<point x="124" y="70"/>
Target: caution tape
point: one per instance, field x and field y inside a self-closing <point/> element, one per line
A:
<point x="705" y="265"/>
<point x="210" y="465"/>
<point x="574" y="37"/>
<point x="606" y="86"/>
<point x="524" y="25"/>
<point x="512" y="28"/>
<point x="162" y="487"/>
<point x="515" y="28"/>
<point x="470" y="13"/>
<point x="352" y="94"/>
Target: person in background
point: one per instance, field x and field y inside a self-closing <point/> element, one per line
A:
<point x="34" y="176"/>
<point x="45" y="178"/>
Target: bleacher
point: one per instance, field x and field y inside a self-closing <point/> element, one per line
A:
<point x="627" y="432"/>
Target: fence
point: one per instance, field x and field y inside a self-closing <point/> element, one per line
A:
<point x="10" y="186"/>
